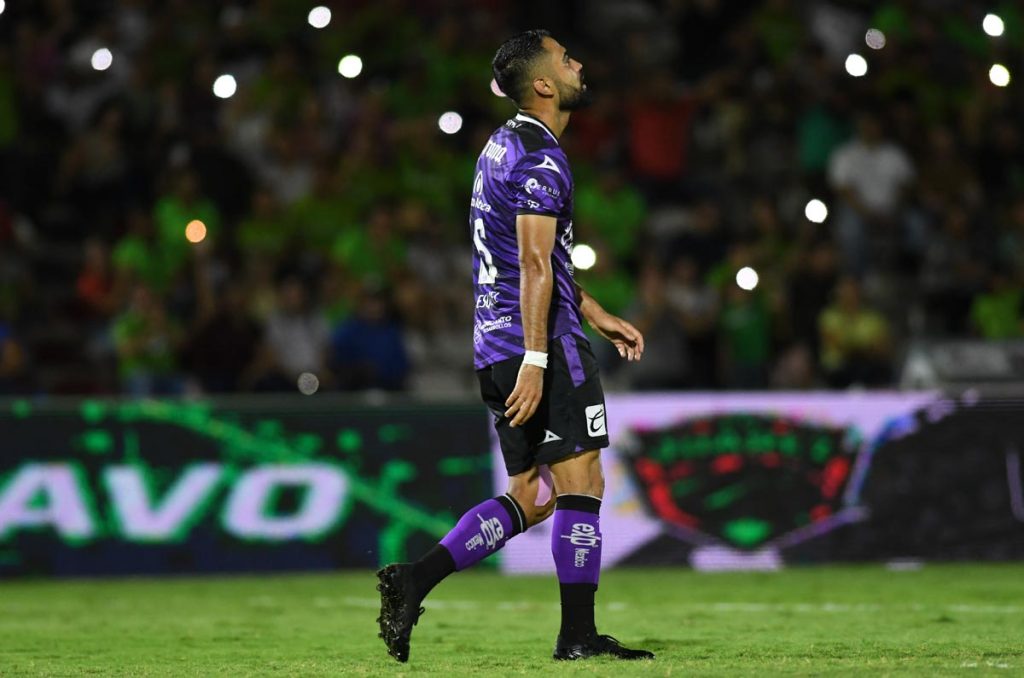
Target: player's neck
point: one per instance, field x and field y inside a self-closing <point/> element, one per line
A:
<point x="556" y="120"/>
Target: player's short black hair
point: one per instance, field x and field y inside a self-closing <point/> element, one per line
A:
<point x="513" y="62"/>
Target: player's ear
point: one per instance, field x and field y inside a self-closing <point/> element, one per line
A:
<point x="543" y="88"/>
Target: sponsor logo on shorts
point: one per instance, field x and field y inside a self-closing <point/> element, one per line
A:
<point x="596" y="423"/>
<point x="550" y="437"/>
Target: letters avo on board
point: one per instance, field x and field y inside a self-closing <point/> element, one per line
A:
<point x="160" y="487"/>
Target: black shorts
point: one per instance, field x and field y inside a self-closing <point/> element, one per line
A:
<point x="571" y="415"/>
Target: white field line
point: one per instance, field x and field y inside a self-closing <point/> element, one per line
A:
<point x="615" y="606"/>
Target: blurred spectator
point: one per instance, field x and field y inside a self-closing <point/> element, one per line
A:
<point x="224" y="342"/>
<point x="705" y="241"/>
<point x="262" y="234"/>
<point x="435" y="342"/>
<point x="613" y="210"/>
<point x="872" y="176"/>
<point x="998" y="312"/>
<point x="952" y="273"/>
<point x="666" y="360"/>
<point x="367" y="349"/>
<point x="745" y="336"/>
<point x="13" y="362"/>
<point x="174" y="211"/>
<point x="296" y="340"/>
<point x="856" y="341"/>
<point x="814" y="276"/>
<point x="371" y="251"/>
<point x="147" y="341"/>
<point x="658" y="122"/>
<point x="95" y="284"/>
<point x="697" y="305"/>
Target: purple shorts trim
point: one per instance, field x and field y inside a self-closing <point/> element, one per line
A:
<point x="572" y="358"/>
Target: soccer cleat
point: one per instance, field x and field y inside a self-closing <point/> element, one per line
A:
<point x="597" y="646"/>
<point x="399" y="608"/>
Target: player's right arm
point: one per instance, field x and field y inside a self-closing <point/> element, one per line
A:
<point x="536" y="237"/>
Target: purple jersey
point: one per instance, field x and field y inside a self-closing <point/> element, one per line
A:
<point x="522" y="170"/>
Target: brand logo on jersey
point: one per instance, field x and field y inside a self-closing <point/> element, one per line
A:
<point x="550" y="437"/>
<point x="502" y="323"/>
<point x="489" y="300"/>
<point x="583" y="534"/>
<point x="548" y="163"/>
<point x="596" y="424"/>
<point x="495" y="152"/>
<point x="532" y="204"/>
<point x="532" y="185"/>
<point x="480" y="204"/>
<point x="478" y="183"/>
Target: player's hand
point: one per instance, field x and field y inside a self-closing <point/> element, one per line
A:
<point x="526" y="396"/>
<point x="627" y="339"/>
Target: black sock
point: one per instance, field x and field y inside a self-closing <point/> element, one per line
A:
<point x="576" y="547"/>
<point x="439" y="562"/>
<point x="428" y="571"/>
<point x="577" y="612"/>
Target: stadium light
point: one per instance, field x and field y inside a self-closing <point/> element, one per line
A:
<point x="816" y="211"/>
<point x="583" y="257"/>
<point x="308" y="383"/>
<point x="319" y="17"/>
<point x="101" y="59"/>
<point x="495" y="89"/>
<point x="856" y="65"/>
<point x="350" y="66"/>
<point x="450" y="122"/>
<point x="875" y="38"/>
<point x="225" y="86"/>
<point x="999" y="75"/>
<point x="993" y="25"/>
<point x="747" y="278"/>
<point x="195" y="231"/>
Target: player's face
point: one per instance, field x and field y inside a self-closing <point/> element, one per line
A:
<point x="568" y="76"/>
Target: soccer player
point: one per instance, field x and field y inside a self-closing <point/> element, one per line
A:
<point x="538" y="375"/>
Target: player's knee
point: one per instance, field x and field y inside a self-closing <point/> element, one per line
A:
<point x="588" y="481"/>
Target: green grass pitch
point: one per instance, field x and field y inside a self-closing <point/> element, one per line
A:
<point x="941" y="620"/>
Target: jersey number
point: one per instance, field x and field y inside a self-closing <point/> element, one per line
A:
<point x="488" y="271"/>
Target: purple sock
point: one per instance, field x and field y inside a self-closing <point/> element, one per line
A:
<point x="576" y="548"/>
<point x="483" y="530"/>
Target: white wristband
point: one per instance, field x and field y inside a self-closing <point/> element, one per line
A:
<point x="538" y="358"/>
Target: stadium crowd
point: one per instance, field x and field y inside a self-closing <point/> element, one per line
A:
<point x="335" y="209"/>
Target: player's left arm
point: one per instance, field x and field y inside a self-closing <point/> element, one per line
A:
<point x="627" y="339"/>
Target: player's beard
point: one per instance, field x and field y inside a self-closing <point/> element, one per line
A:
<point x="573" y="99"/>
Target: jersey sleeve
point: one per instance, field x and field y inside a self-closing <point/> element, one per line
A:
<point x="540" y="184"/>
